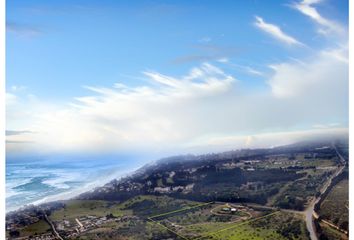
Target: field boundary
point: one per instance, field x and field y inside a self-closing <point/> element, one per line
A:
<point x="234" y="225"/>
<point x="172" y="212"/>
<point x="181" y="210"/>
<point x="168" y="229"/>
<point x="237" y="225"/>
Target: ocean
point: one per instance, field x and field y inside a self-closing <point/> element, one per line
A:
<point x="35" y="180"/>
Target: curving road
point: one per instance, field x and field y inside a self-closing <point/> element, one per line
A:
<point x="310" y="212"/>
<point x="309" y="220"/>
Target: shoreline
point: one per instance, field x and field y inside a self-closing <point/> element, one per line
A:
<point x="68" y="195"/>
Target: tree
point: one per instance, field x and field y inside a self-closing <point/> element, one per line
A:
<point x="14" y="233"/>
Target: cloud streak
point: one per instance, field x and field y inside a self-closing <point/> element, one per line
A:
<point x="306" y="7"/>
<point x="207" y="52"/>
<point x="22" y="30"/>
<point x="275" y="31"/>
<point x="14" y="133"/>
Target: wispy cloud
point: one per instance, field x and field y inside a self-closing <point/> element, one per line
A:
<point x="205" y="39"/>
<point x="313" y="76"/>
<point x="160" y="113"/>
<point x="207" y="52"/>
<point x="17" y="141"/>
<point x="178" y="113"/>
<point x="223" y="60"/>
<point x="247" y="69"/>
<point x="299" y="77"/>
<point x="14" y="132"/>
<point x="306" y="7"/>
<point x="275" y="32"/>
<point x="205" y="107"/>
<point x="17" y="88"/>
<point x="194" y="58"/>
<point x="22" y="29"/>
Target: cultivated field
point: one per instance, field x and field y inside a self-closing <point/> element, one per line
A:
<point x="335" y="206"/>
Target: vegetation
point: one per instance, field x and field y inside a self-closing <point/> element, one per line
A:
<point x="328" y="233"/>
<point x="293" y="226"/>
<point x="35" y="229"/>
<point x="266" y="227"/>
<point x="76" y="208"/>
<point x="242" y="194"/>
<point x="335" y="206"/>
<point x="147" y="205"/>
<point x="297" y="193"/>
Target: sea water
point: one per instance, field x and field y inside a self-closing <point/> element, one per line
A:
<point x="36" y="180"/>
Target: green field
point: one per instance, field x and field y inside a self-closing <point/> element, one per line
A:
<point x="335" y="206"/>
<point x="78" y="208"/>
<point x="35" y="229"/>
<point x="246" y="232"/>
<point x="220" y="230"/>
<point x="199" y="224"/>
<point x="265" y="227"/>
<point x="148" y="206"/>
<point x="125" y="231"/>
<point x="162" y="217"/>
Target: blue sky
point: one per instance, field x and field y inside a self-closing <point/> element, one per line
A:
<point x="65" y="57"/>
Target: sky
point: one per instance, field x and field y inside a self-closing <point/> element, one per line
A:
<point x="169" y="77"/>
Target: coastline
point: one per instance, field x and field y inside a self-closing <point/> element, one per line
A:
<point x="90" y="186"/>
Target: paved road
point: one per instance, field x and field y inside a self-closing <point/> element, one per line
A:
<point x="53" y="227"/>
<point x="309" y="220"/>
<point x="310" y="212"/>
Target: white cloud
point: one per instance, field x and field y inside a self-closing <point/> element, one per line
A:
<point x="10" y="99"/>
<point x="22" y="30"/>
<point x="16" y="88"/>
<point x="205" y="40"/>
<point x="171" y="115"/>
<point x="326" y="73"/>
<point x="205" y="110"/>
<point x="116" y="118"/>
<point x="306" y="7"/>
<point x="253" y="71"/>
<point x="275" y="32"/>
<point x="340" y="54"/>
<point x="223" y="60"/>
<point x="247" y="69"/>
<point x="244" y="68"/>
